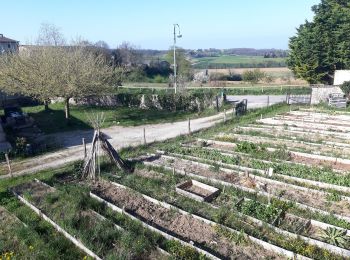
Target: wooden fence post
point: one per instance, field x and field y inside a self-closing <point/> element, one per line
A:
<point x="224" y="115"/>
<point x="217" y="104"/>
<point x="8" y="164"/>
<point x="189" y="126"/>
<point x="268" y="101"/>
<point x="144" y="136"/>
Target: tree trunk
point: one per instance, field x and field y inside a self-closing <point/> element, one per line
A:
<point x="46" y="105"/>
<point x="67" y="108"/>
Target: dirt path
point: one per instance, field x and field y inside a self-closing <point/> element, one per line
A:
<point x="119" y="137"/>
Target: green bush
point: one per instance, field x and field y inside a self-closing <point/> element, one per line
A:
<point x="345" y="87"/>
<point x="253" y="76"/>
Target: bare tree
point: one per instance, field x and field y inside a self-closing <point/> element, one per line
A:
<point x="83" y="73"/>
<point x="28" y="73"/>
<point x="127" y="55"/>
<point x="50" y="35"/>
<point x="102" y="44"/>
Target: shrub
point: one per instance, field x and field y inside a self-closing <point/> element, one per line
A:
<point x="253" y="76"/>
<point x="345" y="87"/>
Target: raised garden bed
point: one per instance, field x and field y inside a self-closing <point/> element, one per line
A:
<point x="197" y="190"/>
<point x="182" y="226"/>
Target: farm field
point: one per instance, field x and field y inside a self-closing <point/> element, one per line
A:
<point x="237" y="61"/>
<point x="271" y="184"/>
<point x="280" y="75"/>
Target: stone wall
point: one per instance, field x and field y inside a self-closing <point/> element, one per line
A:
<point x="150" y="101"/>
<point x="321" y="93"/>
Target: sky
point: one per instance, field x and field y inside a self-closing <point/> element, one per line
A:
<point x="148" y="24"/>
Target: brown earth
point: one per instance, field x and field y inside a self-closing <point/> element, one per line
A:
<point x="185" y="226"/>
<point x="313" y="199"/>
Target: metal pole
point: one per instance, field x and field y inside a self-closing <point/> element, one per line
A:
<point x="268" y="101"/>
<point x="175" y="85"/>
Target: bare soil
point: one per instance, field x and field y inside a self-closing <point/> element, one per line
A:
<point x="37" y="191"/>
<point x="318" y="162"/>
<point x="148" y="174"/>
<point x="313" y="199"/>
<point x="184" y="226"/>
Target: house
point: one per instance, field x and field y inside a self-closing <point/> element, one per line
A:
<point x="8" y="45"/>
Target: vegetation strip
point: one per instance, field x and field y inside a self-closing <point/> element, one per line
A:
<point x="57" y="227"/>
<point x="301" y="154"/>
<point x="262" y="243"/>
<point x="167" y="236"/>
<point x="182" y="172"/>
<point x="246" y="155"/>
<point x="277" y="141"/>
<point x="264" y="130"/>
<point x="266" y="180"/>
<point x="332" y="248"/>
<point x="300" y="205"/>
<point x="315" y="183"/>
<point x="295" y="130"/>
<point x="252" y="170"/>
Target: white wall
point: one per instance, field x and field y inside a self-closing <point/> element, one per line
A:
<point x="340" y="76"/>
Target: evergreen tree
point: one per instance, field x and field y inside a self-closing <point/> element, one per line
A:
<point x="323" y="45"/>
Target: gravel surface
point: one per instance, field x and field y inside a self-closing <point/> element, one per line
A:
<point x="119" y="137"/>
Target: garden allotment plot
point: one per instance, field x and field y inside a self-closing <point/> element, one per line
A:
<point x="278" y="188"/>
<point x="287" y="174"/>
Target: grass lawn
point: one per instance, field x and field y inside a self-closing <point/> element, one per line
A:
<point x="54" y="121"/>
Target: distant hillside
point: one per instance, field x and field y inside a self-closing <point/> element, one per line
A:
<point x="212" y="52"/>
<point x="225" y="58"/>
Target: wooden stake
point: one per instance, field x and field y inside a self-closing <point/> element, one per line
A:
<point x="268" y="101"/>
<point x="84" y="144"/>
<point x="144" y="136"/>
<point x="8" y="164"/>
<point x="189" y="126"/>
<point x="173" y="170"/>
<point x="224" y="115"/>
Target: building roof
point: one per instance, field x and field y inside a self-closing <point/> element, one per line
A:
<point x="5" y="40"/>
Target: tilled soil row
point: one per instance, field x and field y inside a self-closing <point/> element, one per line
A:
<point x="286" y="191"/>
<point x="182" y="226"/>
<point x="294" y="158"/>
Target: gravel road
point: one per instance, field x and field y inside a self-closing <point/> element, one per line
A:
<point x="119" y="137"/>
<point x="259" y="101"/>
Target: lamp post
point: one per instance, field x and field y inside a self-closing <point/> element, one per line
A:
<point x="176" y="35"/>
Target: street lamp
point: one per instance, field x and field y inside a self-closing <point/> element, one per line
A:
<point x="178" y="35"/>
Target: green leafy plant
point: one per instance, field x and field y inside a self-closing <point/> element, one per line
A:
<point x="333" y="196"/>
<point x="335" y="237"/>
<point x="215" y="168"/>
<point x="237" y="238"/>
<point x="248" y="147"/>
